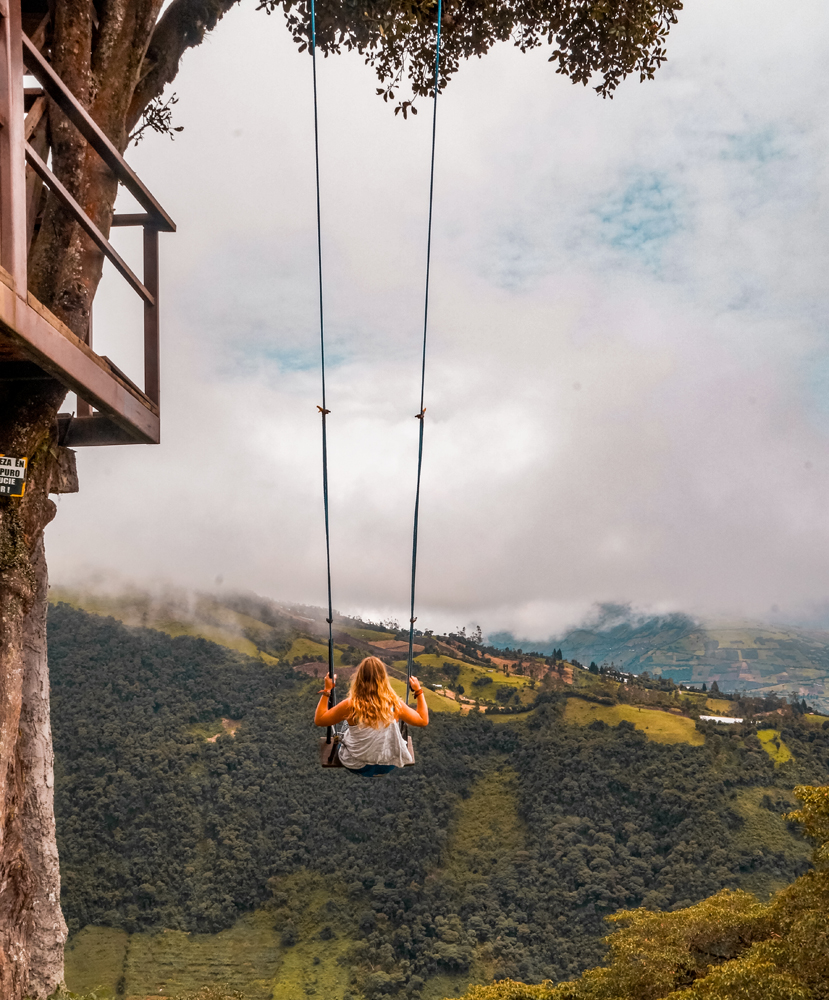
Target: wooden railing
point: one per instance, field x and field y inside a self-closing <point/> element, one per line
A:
<point x="125" y="413"/>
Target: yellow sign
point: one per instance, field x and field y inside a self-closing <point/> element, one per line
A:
<point x="12" y="476"/>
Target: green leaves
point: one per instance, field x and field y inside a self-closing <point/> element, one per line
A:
<point x="814" y="816"/>
<point x="158" y="117"/>
<point x="406" y="107"/>
<point x="602" y="41"/>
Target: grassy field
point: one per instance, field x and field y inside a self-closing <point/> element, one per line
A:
<point x="816" y="720"/>
<point x="765" y="830"/>
<point x="365" y="633"/>
<point x="596" y="685"/>
<point x="469" y="673"/>
<point x="719" y="706"/>
<point x="774" y="746"/>
<point x="484" y="825"/>
<point x="310" y="650"/>
<point x="661" y="727"/>
<point x="439" y="703"/>
<point x="436" y="662"/>
<point x="435" y="701"/>
<point x="114" y="963"/>
<point x="484" y="836"/>
<point x="249" y="956"/>
<point x="499" y="719"/>
<point x="206" y="730"/>
<point x="95" y="959"/>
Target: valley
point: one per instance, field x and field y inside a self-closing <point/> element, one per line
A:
<point x="201" y="843"/>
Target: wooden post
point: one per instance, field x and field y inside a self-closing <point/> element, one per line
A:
<point x="13" y="249"/>
<point x="84" y="409"/>
<point x="152" y="385"/>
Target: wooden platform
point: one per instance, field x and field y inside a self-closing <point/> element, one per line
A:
<point x="33" y="342"/>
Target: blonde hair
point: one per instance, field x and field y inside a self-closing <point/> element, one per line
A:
<point x="373" y="700"/>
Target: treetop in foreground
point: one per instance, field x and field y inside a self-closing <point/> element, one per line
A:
<point x="603" y="40"/>
<point x="728" y="947"/>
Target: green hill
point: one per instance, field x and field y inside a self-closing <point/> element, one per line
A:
<point x="190" y="860"/>
<point x="279" y="633"/>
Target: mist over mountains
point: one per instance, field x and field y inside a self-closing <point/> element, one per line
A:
<point x="756" y="657"/>
<point x="611" y="632"/>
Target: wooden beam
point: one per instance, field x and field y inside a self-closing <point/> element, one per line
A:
<point x="33" y="117"/>
<point x="13" y="248"/>
<point x="51" y="344"/>
<point x="89" y="129"/>
<point x="86" y="223"/>
<point x="36" y="129"/>
<point x="152" y="372"/>
<point x="94" y="431"/>
<point x="132" y="219"/>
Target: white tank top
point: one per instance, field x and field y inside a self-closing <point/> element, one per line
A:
<point x="361" y="745"/>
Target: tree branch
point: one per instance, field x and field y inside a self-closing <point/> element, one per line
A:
<point x="182" y="26"/>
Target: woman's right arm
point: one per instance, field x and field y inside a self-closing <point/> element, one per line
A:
<point x="325" y="716"/>
<point x="419" y="715"/>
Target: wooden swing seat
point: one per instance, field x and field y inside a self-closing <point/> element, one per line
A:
<point x="329" y="756"/>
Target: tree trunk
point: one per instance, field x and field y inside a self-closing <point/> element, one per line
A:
<point x="102" y="67"/>
<point x="48" y="933"/>
<point x="28" y="856"/>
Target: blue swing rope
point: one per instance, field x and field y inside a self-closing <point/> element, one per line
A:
<point x="421" y="416"/>
<point x="324" y="411"/>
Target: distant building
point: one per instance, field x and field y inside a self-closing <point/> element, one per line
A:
<point x="718" y="718"/>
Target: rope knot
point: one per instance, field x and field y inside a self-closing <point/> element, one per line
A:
<point x="323" y="411"/>
<point x="421" y="415"/>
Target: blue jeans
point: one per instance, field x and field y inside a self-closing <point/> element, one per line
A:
<point x="372" y="770"/>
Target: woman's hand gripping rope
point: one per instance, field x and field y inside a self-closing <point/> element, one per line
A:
<point x="325" y="716"/>
<point x="419" y="715"/>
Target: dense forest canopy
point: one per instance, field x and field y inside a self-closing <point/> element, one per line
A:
<point x="160" y="828"/>
<point x="728" y="947"/>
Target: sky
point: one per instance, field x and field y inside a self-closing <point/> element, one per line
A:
<point x="628" y="366"/>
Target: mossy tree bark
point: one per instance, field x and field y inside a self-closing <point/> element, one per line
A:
<point x="29" y="890"/>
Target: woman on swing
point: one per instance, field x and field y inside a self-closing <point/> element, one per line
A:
<point x="373" y="743"/>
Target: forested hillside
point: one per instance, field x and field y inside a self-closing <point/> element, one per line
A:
<point x="731" y="946"/>
<point x="498" y="855"/>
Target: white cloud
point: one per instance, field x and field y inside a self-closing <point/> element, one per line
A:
<point x="627" y="354"/>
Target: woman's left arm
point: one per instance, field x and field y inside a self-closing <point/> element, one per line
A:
<point x="325" y="716"/>
<point x="419" y="715"/>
